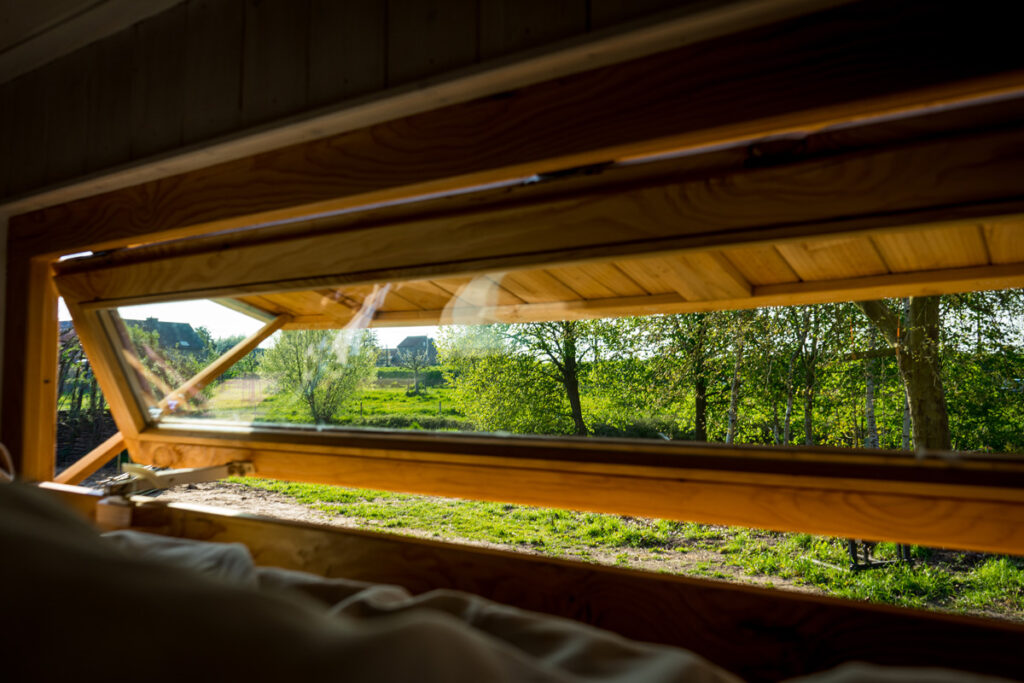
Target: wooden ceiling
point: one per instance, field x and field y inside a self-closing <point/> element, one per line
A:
<point x="902" y="262"/>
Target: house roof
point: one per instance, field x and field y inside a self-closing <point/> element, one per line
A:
<point x="416" y="342"/>
<point x="172" y="335"/>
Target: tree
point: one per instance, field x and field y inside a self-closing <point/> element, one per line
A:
<point x="915" y="336"/>
<point x="321" y="368"/>
<point x="498" y="385"/>
<point x="415" y="360"/>
<point x="562" y="345"/>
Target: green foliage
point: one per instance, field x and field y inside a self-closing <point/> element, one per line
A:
<point x="429" y="376"/>
<point x="962" y="582"/>
<point x="320" y="368"/>
<point x="510" y="392"/>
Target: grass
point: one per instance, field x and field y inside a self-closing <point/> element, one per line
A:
<point x="958" y="582"/>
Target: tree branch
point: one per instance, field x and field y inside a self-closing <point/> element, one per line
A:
<point x="879" y="313"/>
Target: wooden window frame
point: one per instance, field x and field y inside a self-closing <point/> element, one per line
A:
<point x="968" y="502"/>
<point x="735" y="91"/>
<point x="369" y="174"/>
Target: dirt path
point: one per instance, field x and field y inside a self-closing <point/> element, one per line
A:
<point x="694" y="562"/>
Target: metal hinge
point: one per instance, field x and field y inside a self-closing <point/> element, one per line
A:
<point x="138" y="478"/>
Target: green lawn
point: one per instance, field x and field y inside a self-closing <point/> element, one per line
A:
<point x="960" y="582"/>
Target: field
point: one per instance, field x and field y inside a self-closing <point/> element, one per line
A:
<point x="958" y="582"/>
<point x="953" y="581"/>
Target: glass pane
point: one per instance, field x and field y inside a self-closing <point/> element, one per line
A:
<point x="166" y="345"/>
<point x="520" y="354"/>
<point x="83" y="415"/>
<point x="461" y="354"/>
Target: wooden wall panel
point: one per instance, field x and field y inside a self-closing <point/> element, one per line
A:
<point x="604" y="13"/>
<point x="6" y="144"/>
<point x="109" y="112"/>
<point x="274" y="73"/>
<point x="158" y="85"/>
<point x="842" y="257"/>
<point x="213" y="68"/>
<point x="28" y="96"/>
<point x="426" y="37"/>
<point x="762" y="265"/>
<point x="65" y="115"/>
<point x="347" y="49"/>
<point x="510" y="25"/>
<point x="932" y="250"/>
<point x="1005" y="241"/>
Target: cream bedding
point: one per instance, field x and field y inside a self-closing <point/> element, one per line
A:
<point x="80" y="605"/>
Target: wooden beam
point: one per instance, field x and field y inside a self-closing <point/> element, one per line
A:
<point x="685" y="25"/>
<point x="921" y="283"/>
<point x="91" y="462"/>
<point x="758" y="634"/>
<point x="221" y="364"/>
<point x="37" y="453"/>
<point x="958" y="180"/>
<point x="851" y="63"/>
<point x="101" y="343"/>
<point x="970" y="503"/>
<point x="88" y="464"/>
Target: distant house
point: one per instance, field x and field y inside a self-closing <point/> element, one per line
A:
<point x="409" y="345"/>
<point x="417" y="345"/>
<point x="178" y="336"/>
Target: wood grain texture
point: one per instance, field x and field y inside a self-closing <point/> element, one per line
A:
<point x="158" y="84"/>
<point x="39" y="393"/>
<point x="28" y="119"/>
<point x="426" y="37"/>
<point x="732" y="88"/>
<point x="510" y="25"/>
<point x="67" y="91"/>
<point x="213" y="68"/>
<point x="605" y="13"/>
<point x="574" y="56"/>
<point x="347" y="49"/>
<point x="91" y="462"/>
<point x="963" y="508"/>
<point x="274" y="74"/>
<point x="832" y="259"/>
<point x="933" y="250"/>
<point x="109" y="115"/>
<point x="1005" y="240"/>
<point x="95" y="330"/>
<point x="102" y="454"/>
<point x="795" y="206"/>
<point x="759" y="634"/>
<point x="7" y="133"/>
<point x="761" y="265"/>
<point x="919" y="283"/>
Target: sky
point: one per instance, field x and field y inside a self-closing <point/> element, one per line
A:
<point x="224" y="322"/>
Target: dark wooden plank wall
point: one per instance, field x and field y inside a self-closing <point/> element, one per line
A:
<point x="207" y="68"/>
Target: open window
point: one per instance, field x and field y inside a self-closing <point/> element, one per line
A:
<point x="322" y="293"/>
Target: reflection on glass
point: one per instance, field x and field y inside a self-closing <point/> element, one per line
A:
<point x="169" y="344"/>
<point x="524" y="353"/>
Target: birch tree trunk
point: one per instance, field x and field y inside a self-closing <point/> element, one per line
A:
<point x="810" y="376"/>
<point x="871" y="426"/>
<point x="700" y="381"/>
<point x="734" y="393"/>
<point x="805" y="325"/>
